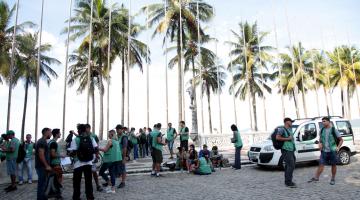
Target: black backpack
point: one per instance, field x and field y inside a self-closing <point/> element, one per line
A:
<point x="337" y="141"/>
<point x="85" y="152"/>
<point x="276" y="143"/>
<point x="21" y="153"/>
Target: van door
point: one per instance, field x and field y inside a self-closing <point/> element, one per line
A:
<point x="308" y="143"/>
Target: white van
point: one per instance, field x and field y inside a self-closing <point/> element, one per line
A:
<point x="307" y="133"/>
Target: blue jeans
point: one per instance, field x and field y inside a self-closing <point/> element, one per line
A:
<point x="237" y="163"/>
<point x="143" y="150"/>
<point x="171" y="145"/>
<point x="41" y="183"/>
<point x="136" y="151"/>
<point x="28" y="163"/>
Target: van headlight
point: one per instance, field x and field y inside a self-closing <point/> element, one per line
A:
<point x="269" y="148"/>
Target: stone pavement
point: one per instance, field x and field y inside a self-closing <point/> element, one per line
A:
<point x="251" y="182"/>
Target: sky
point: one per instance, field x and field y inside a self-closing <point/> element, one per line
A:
<point x="310" y="21"/>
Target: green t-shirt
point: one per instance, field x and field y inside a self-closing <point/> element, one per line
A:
<point x="204" y="166"/>
<point x="170" y="134"/>
<point x="54" y="145"/>
<point x="114" y="153"/>
<point x="133" y="138"/>
<point x="238" y="142"/>
<point x="184" y="134"/>
<point x="13" y="143"/>
<point x="29" y="149"/>
<point x="154" y="135"/>
<point x="288" y="145"/>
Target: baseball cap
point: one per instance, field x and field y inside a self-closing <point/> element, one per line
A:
<point x="288" y="119"/>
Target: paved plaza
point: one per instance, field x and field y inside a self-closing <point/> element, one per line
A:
<point x="251" y="182"/>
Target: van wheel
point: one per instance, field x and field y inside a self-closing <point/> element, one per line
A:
<point x="344" y="157"/>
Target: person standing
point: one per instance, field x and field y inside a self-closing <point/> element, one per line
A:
<point x="143" y="141"/>
<point x="238" y="145"/>
<point x="157" y="145"/>
<point x="149" y="140"/>
<point x="42" y="164"/>
<point x="112" y="155"/>
<point x="123" y="142"/>
<point x="184" y="136"/>
<point x="83" y="148"/>
<point x="286" y="135"/>
<point x="170" y="138"/>
<point x="29" y="148"/>
<point x="55" y="155"/>
<point x="96" y="160"/>
<point x="329" y="147"/>
<point x="134" y="141"/>
<point x="11" y="151"/>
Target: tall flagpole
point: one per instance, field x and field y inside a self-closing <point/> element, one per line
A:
<point x="278" y="64"/>
<point x="218" y="77"/>
<point x="38" y="73"/>
<point x="315" y="82"/>
<point x="12" y="67"/>
<point x="147" y="70"/>
<point x="327" y="76"/>
<point x="200" y="67"/>
<point x="89" y="66"/>
<point x="109" y="68"/>
<point x="166" y="69"/>
<point x="66" y="75"/>
<point x="354" y="72"/>
<point x="292" y="63"/>
<point x="128" y="66"/>
<point x="262" y="79"/>
<point x="247" y="74"/>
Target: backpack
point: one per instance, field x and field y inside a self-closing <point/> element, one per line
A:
<point x="276" y="143"/>
<point x="85" y="151"/>
<point x="21" y="153"/>
<point x="337" y="141"/>
<point x="53" y="187"/>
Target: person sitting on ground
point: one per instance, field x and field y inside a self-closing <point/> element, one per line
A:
<point x="181" y="158"/>
<point x="216" y="157"/>
<point x="204" y="151"/>
<point x="203" y="166"/>
<point x="191" y="157"/>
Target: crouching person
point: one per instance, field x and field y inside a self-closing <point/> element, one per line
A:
<point x="203" y="166"/>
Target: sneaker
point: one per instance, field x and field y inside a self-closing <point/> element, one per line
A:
<point x="332" y="182"/>
<point x="313" y="180"/>
<point x="21" y="182"/>
<point x="291" y="185"/>
<point x="30" y="181"/>
<point x="8" y="187"/>
<point x="110" y="191"/>
<point x="121" y="185"/>
<point x="153" y="173"/>
<point x="99" y="188"/>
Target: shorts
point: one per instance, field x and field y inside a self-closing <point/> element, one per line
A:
<point x="184" y="144"/>
<point x="11" y="167"/>
<point x="120" y="168"/>
<point x="328" y="158"/>
<point x="157" y="156"/>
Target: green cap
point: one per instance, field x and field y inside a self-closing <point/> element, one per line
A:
<point x="10" y="132"/>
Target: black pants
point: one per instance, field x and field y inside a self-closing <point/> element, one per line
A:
<point x="184" y="144"/>
<point x="237" y="163"/>
<point x="289" y="159"/>
<point x="88" y="182"/>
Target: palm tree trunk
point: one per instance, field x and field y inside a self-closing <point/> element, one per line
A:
<point x="342" y="102"/>
<point x="304" y="103"/>
<point x="348" y="102"/>
<point x="122" y="87"/>
<point x="93" y="105"/>
<point x="327" y="103"/>
<point x="179" y="75"/>
<point x="101" y="125"/>
<point x="24" y="110"/>
<point x="251" y="81"/>
<point x="194" y="102"/>
<point x="296" y="104"/>
<point x="209" y="108"/>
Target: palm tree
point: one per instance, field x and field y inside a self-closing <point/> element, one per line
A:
<point x="343" y="72"/>
<point x="171" y="23"/>
<point x="247" y="74"/>
<point x="301" y="78"/>
<point x="100" y="40"/>
<point x="27" y="66"/>
<point x="210" y="76"/>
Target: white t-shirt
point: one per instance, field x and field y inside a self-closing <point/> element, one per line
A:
<point x="74" y="147"/>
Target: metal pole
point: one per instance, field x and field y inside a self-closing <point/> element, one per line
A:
<point x="12" y="67"/>
<point x="166" y="70"/>
<point x="89" y="67"/>
<point x="66" y="75"/>
<point x="108" y="71"/>
<point x="354" y="72"/>
<point x="262" y="80"/>
<point x="128" y="66"/>
<point x="218" y="77"/>
<point x="38" y="73"/>
<point x="200" y="67"/>
<point x="327" y="76"/>
<point x="147" y="71"/>
<point x="315" y="82"/>
<point x="292" y="63"/>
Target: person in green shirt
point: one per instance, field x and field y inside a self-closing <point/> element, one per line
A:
<point x="112" y="155"/>
<point x="55" y="155"/>
<point x="135" y="143"/>
<point x="170" y="138"/>
<point x="11" y="151"/>
<point x="184" y="136"/>
<point x="29" y="148"/>
<point x="157" y="147"/>
<point x="286" y="135"/>
<point x="238" y="145"/>
<point x="203" y="166"/>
